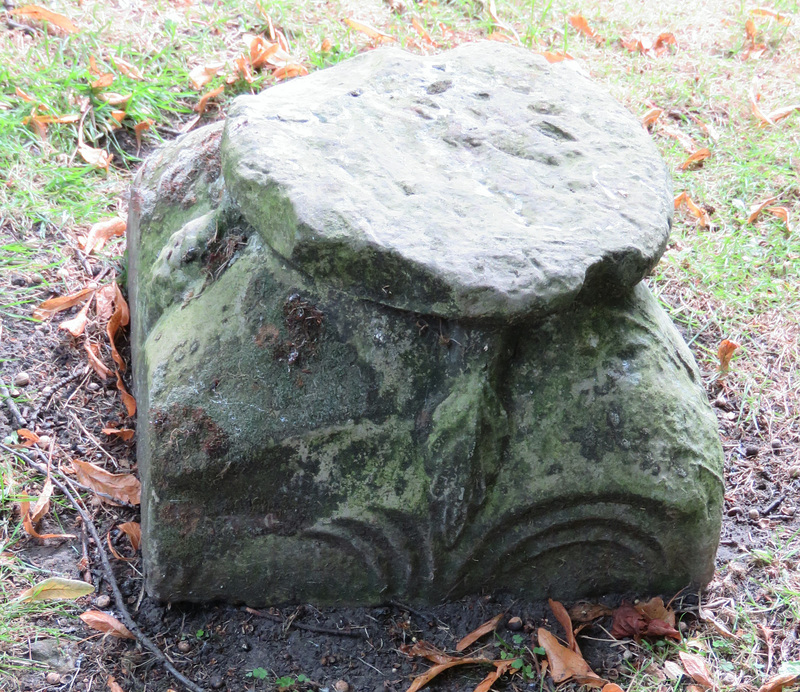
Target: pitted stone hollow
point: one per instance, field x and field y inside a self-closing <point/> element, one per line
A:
<point x="480" y="183"/>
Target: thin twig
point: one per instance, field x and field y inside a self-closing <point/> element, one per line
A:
<point x="54" y="388"/>
<point x="772" y="506"/>
<point x="356" y="632"/>
<point x="19" y="421"/>
<point x="128" y="621"/>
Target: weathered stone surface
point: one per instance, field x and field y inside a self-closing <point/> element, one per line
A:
<point x="480" y="183"/>
<point x="299" y="442"/>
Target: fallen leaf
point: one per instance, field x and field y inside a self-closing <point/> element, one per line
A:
<point x="750" y="29"/>
<point x="55" y="305"/>
<point x="42" y="14"/>
<point x="564" y="620"/>
<point x="765" y="119"/>
<point x="140" y="127"/>
<point x="51" y="119"/>
<point x="423" y="32"/>
<point x="101" y="232"/>
<point x="766" y="12"/>
<point x="579" y="23"/>
<point x="123" y="433"/>
<point x="659" y="628"/>
<point x="673" y="670"/>
<point x="103" y="622"/>
<point x="781" y="113"/>
<point x="696" y="157"/>
<point x="42" y="505"/>
<point x="121" y="486"/>
<point x="501" y="668"/>
<point x="758" y="207"/>
<point x="420" y="681"/>
<point x="369" y="31"/>
<point x="685" y="141"/>
<point x="706" y="616"/>
<point x="118" y="116"/>
<point x="56" y="588"/>
<point x="725" y="352"/>
<point x="128" y="401"/>
<point x="103" y="81"/>
<point x="28" y="526"/>
<point x="588" y="612"/>
<point x="77" y="324"/>
<point x="30" y="437"/>
<point x="113" y="685"/>
<point x="121" y="317"/>
<point x="261" y="51"/>
<point x="92" y="351"/>
<point x="782" y="213"/>
<point x="127" y="69"/>
<point x="778" y="682"/>
<point x="133" y="531"/>
<point x="695" y="666"/>
<point x="114" y="99"/>
<point x="99" y="158"/>
<point x="203" y="74"/>
<point x="204" y="99"/>
<point x="427" y="650"/>
<point x="242" y="66"/>
<point x="104" y="301"/>
<point x="612" y="687"/>
<point x="485" y="628"/>
<point x="23" y="95"/>
<point x="114" y="551"/>
<point x="289" y="71"/>
<point x="698" y="212"/>
<point x="554" y="56"/>
<point x="628" y="622"/>
<point x="565" y="663"/>
<point x="654" y="609"/>
<point x="651" y="116"/>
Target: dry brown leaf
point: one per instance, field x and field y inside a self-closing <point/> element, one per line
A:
<point x="128" y="401"/>
<point x="501" y="668"/>
<point x="113" y="685"/>
<point x="121" y="486"/>
<point x="698" y="212"/>
<point x="781" y="113"/>
<point x="105" y="80"/>
<point x="42" y="14"/>
<point x="101" y="232"/>
<point x="56" y="588"/>
<point x="370" y="31"/>
<point x="242" y="66"/>
<point x="750" y="30"/>
<point x="765" y="119"/>
<point x="697" y="157"/>
<point x="51" y="119"/>
<point x="28" y="526"/>
<point x="23" y="95"/>
<point x="685" y="141"/>
<point x="30" y="437"/>
<point x="706" y="616"/>
<point x="783" y="214"/>
<point x="203" y="74"/>
<point x="612" y="687"/>
<point x="112" y="98"/>
<point x="103" y="622"/>
<point x="99" y="158"/>
<point x="77" y="324"/>
<point x="651" y="116"/>
<point x="121" y="317"/>
<point x="565" y="663"/>
<point x="552" y="56"/>
<point x="118" y="116"/>
<point x="42" y="505"/>
<point x="758" y="207"/>
<point x="114" y="551"/>
<point x="420" y="681"/>
<point x="429" y="651"/>
<point x="261" y="51"/>
<point x="123" y="433"/>
<point x="654" y="609"/>
<point x="579" y="23"/>
<point x="133" y="531"/>
<point x="588" y="612"/>
<point x="423" y="32"/>
<point x="104" y="301"/>
<point x="485" y="628"/>
<point x="127" y="69"/>
<point x="766" y="12"/>
<point x="92" y="352"/>
<point x="778" y="682"/>
<point x="202" y="104"/>
<point x="55" y="305"/>
<point x="725" y="352"/>
<point x="140" y="127"/>
<point x="696" y="667"/>
<point x="289" y="71"/>
<point x="564" y="620"/>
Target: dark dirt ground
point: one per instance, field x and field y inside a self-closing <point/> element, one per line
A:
<point x="220" y="646"/>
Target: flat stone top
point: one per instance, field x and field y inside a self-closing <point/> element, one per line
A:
<point x="478" y="183"/>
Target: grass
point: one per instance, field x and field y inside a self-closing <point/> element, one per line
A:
<point x="733" y="279"/>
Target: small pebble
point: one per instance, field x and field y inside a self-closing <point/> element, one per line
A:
<point x="751" y="450"/>
<point x="63" y="273"/>
<point x="341" y="686"/>
<point x="776" y="444"/>
<point x="36" y="279"/>
<point x="728" y="679"/>
<point x="22" y="379"/>
<point x="93" y="386"/>
<point x="731" y="415"/>
<point x="215" y="682"/>
<point x="683" y="626"/>
<point x="627" y="655"/>
<point x="720" y="401"/>
<point x="754" y="514"/>
<point x="789" y="511"/>
<point x="14" y="392"/>
<point x="44" y="441"/>
<point x="53" y="678"/>
<point x="47" y="391"/>
<point x="18" y="280"/>
<point x="102" y="601"/>
<point x="514" y="624"/>
<point x="184" y="647"/>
